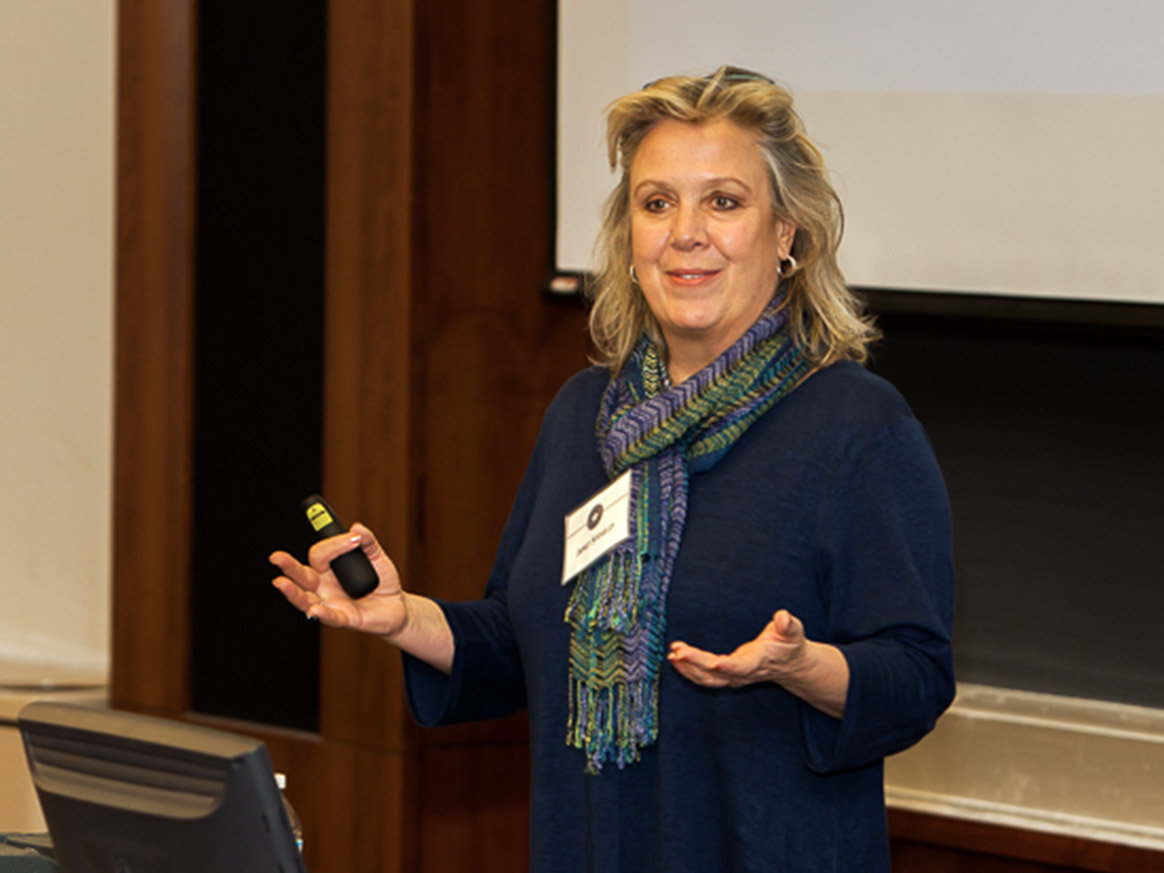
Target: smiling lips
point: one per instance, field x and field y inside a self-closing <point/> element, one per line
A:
<point x="691" y="277"/>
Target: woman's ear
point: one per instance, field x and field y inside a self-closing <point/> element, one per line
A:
<point x="785" y="234"/>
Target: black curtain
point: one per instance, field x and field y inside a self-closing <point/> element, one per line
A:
<point x="259" y="328"/>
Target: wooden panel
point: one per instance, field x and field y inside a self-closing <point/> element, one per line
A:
<point x="369" y="405"/>
<point x="350" y="803"/>
<point x="932" y="843"/>
<point x="495" y="351"/>
<point x="915" y="858"/>
<point x="474" y="808"/>
<point x="155" y="185"/>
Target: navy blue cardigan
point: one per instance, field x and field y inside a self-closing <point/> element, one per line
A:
<point x="831" y="506"/>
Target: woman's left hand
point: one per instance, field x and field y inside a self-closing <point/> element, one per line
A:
<point x="816" y="672"/>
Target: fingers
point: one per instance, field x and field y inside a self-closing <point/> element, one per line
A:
<point x="300" y="584"/>
<point x="763" y="659"/>
<point x="681" y="653"/>
<point x="700" y="666"/>
<point x="367" y="540"/>
<point x="385" y="569"/>
<point x="313" y="588"/>
<point x="325" y="551"/>
<point x="312" y="603"/>
<point x="316" y="576"/>
<point x="296" y="596"/>
<point x="329" y="613"/>
<point x="295" y="574"/>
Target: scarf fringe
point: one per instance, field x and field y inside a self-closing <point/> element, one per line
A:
<point x="607" y="723"/>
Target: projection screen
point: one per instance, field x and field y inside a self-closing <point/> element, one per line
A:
<point x="994" y="146"/>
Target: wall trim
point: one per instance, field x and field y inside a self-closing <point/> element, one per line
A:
<point x="1083" y="768"/>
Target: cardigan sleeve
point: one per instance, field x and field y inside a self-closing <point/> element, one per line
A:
<point x="885" y="564"/>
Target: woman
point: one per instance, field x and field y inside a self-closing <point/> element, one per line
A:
<point x="717" y="690"/>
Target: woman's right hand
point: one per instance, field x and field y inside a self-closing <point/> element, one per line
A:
<point x="314" y="590"/>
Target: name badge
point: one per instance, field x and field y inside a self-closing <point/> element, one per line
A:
<point x="597" y="526"/>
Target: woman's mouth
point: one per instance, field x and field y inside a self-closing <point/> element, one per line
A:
<point x="691" y="275"/>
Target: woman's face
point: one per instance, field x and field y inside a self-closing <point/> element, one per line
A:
<point x="704" y="241"/>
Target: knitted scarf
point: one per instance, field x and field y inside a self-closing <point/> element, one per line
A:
<point x="663" y="434"/>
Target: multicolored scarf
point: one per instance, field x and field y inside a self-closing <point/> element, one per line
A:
<point x="663" y="434"/>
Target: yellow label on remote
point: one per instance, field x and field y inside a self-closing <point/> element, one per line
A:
<point x="318" y="515"/>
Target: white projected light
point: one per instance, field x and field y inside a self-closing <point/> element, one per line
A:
<point x="997" y="147"/>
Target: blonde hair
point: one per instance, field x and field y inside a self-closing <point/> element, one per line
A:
<point x="825" y="316"/>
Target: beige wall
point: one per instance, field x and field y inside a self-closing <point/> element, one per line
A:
<point x="56" y="325"/>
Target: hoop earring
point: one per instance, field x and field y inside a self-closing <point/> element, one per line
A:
<point x="634" y="278"/>
<point x="791" y="266"/>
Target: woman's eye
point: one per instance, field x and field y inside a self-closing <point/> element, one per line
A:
<point x="655" y="204"/>
<point x="722" y="201"/>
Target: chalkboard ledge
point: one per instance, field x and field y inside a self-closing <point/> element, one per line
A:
<point x="1082" y="768"/>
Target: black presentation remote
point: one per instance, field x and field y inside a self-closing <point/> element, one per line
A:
<point x="353" y="569"/>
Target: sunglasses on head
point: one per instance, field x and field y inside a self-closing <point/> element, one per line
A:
<point x="740" y="76"/>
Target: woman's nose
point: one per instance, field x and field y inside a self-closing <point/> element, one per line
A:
<point x="688" y="231"/>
